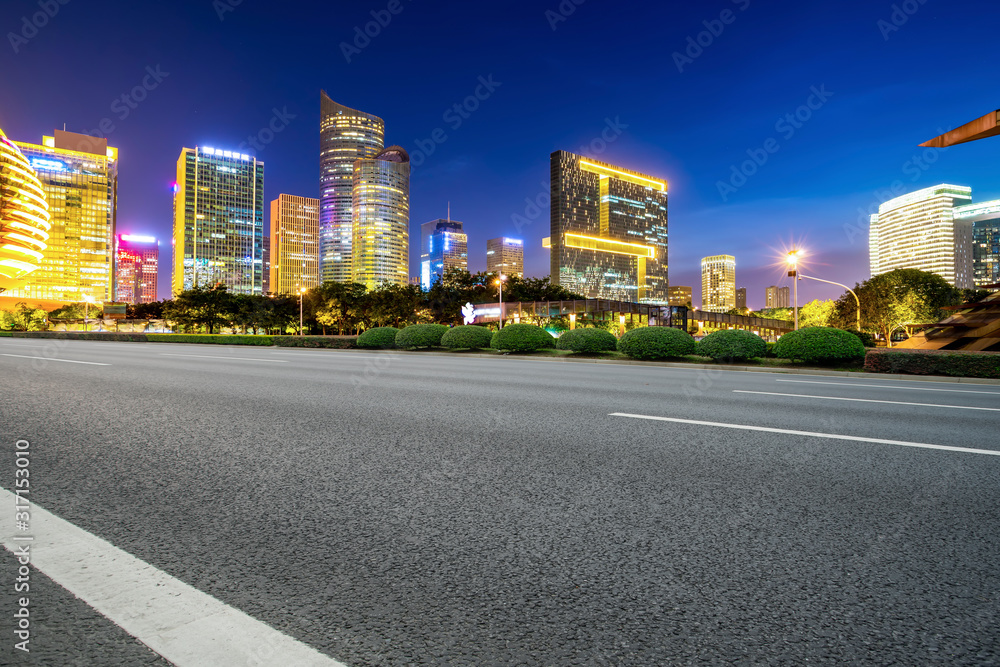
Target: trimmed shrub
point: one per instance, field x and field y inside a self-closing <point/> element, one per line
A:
<point x="467" y="337"/>
<point x="820" y="345"/>
<point x="379" y="338"/>
<point x="329" y="342"/>
<point x="209" y="339"/>
<point x="6" y="334"/>
<point x="522" y="338"/>
<point x="770" y="350"/>
<point x="587" y="341"/>
<point x="656" y="343"/>
<point x="934" y="362"/>
<point x="867" y="339"/>
<point x="732" y="345"/>
<point x="420" y="335"/>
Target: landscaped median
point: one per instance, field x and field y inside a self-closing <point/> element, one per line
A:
<point x="934" y="362"/>
<point x="329" y="342"/>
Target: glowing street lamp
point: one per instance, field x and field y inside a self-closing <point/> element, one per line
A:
<point x="87" y="300"/>
<point x="621" y="320"/>
<point x="793" y="273"/>
<point x="499" y="281"/>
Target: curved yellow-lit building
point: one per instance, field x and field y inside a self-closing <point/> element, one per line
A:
<point x="24" y="217"/>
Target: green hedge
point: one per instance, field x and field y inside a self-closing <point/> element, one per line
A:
<point x="379" y="338"/>
<point x="820" y="345"/>
<point x="420" y="335"/>
<point x="656" y="343"/>
<point x="329" y="342"/>
<point x="770" y="350"/>
<point x="88" y="335"/>
<point x="587" y="341"/>
<point x="209" y="339"/>
<point x="732" y="345"/>
<point x="468" y="337"/>
<point x="934" y="362"/>
<point x="522" y="338"/>
<point x="867" y="339"/>
<point x="6" y="334"/>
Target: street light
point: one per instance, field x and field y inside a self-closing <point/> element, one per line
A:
<point x="856" y="299"/>
<point x="87" y="300"/>
<point x="302" y="290"/>
<point x="793" y="262"/>
<point x="499" y="282"/>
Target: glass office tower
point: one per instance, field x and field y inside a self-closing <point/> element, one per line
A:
<point x="381" y="249"/>
<point x="24" y="218"/>
<point x="137" y="260"/>
<point x="443" y="245"/>
<point x="718" y="283"/>
<point x="985" y="218"/>
<point x="294" y="244"/>
<point x="505" y="256"/>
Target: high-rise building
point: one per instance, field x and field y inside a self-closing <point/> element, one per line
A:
<point x="294" y="244"/>
<point x="218" y="221"/>
<point x="443" y="245"/>
<point x="79" y="174"/>
<point x="718" y="283"/>
<point x="741" y="298"/>
<point x="24" y="218"/>
<point x="505" y="256"/>
<point x="777" y="297"/>
<point x="345" y="135"/>
<point x="608" y="230"/>
<point x="920" y="231"/>
<point x="137" y="261"/>
<point x="380" y="252"/>
<point x="985" y="218"/>
<point x="681" y="295"/>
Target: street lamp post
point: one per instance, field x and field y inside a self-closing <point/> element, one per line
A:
<point x="302" y="290"/>
<point x="500" y="283"/>
<point x="793" y="261"/>
<point x="87" y="300"/>
<point x="856" y="299"/>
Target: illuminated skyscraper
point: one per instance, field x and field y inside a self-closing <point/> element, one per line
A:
<point x="777" y="297"/>
<point x="921" y="231"/>
<point x="137" y="259"/>
<point x="345" y="135"/>
<point x="505" y="256"/>
<point x="718" y="283"/>
<point x="443" y="245"/>
<point x="294" y="245"/>
<point x="680" y="295"/>
<point x="24" y="218"/>
<point x="985" y="220"/>
<point x="218" y="221"/>
<point x="608" y="230"/>
<point x="381" y="248"/>
<point x="79" y="174"/>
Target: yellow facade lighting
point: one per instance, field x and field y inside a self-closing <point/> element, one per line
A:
<point x="24" y="216"/>
<point x="609" y="245"/>
<point x="611" y="172"/>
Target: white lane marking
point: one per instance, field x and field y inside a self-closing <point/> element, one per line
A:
<point x="65" y="361"/>
<point x="884" y="386"/>
<point x="187" y="627"/>
<point x="207" y="356"/>
<point x="831" y="436"/>
<point x="866" y="400"/>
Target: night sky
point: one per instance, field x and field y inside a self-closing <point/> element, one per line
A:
<point x="228" y="69"/>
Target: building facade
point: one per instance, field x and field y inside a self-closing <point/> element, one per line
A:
<point x="681" y="295"/>
<point x="381" y="248"/>
<point x="294" y="244"/>
<point x="718" y="283"/>
<point x="608" y="230"/>
<point x="920" y="231"/>
<point x="777" y="297"/>
<point x="345" y="135"/>
<point x="985" y="218"/>
<point x="218" y="221"/>
<point x="741" y="297"/>
<point x="24" y="218"/>
<point x="137" y="262"/>
<point x="79" y="175"/>
<point x="443" y="245"/>
<point x="505" y="256"/>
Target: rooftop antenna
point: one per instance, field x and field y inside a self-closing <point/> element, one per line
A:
<point x="449" y="211"/>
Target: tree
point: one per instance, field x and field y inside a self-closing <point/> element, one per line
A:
<point x="146" y="311"/>
<point x="26" y="318"/>
<point x="818" y="313"/>
<point x="71" y="311"/>
<point x="201" y="307"/>
<point x="339" y="305"/>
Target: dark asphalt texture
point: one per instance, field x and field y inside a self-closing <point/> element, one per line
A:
<point x="406" y="509"/>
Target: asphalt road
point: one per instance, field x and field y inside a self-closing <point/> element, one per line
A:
<point x="404" y="509"/>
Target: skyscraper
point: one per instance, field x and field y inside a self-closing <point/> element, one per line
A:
<point x="985" y="218"/>
<point x="443" y="245"/>
<point x="381" y="206"/>
<point x="345" y="135"/>
<point x="294" y="244"/>
<point x="218" y="221"/>
<point x="505" y="256"/>
<point x="680" y="295"/>
<point x="137" y="260"/>
<point x="920" y="231"/>
<point x="24" y="218"/>
<point x="79" y="174"/>
<point x="718" y="283"/>
<point x="741" y="297"/>
<point x="608" y="230"/>
<point x="777" y="297"/>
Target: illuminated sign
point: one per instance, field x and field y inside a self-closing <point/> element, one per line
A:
<point x="131" y="238"/>
<point x="47" y="165"/>
<point x="469" y="312"/>
<point x="513" y="241"/>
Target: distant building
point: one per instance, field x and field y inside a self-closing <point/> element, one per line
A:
<point x="24" y="217"/>
<point x="443" y="245"/>
<point x="985" y="218"/>
<point x="718" y="283"/>
<point x="380" y="252"/>
<point x="294" y="244"/>
<point x="680" y="295"/>
<point x="505" y="256"/>
<point x="137" y="260"/>
<point x="777" y="297"/>
<point x="741" y="297"/>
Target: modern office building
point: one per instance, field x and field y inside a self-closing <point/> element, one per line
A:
<point x="137" y="261"/>
<point x="608" y="230"/>
<point x="741" y="297"/>
<point x="24" y="218"/>
<point x="505" y="256"/>
<point x="345" y="136"/>
<point x="218" y="221"/>
<point x="380" y="252"/>
<point x="985" y="218"/>
<point x="79" y="174"/>
<point x="294" y="244"/>
<point x="777" y="297"/>
<point x="681" y="295"/>
<point x="718" y="283"/>
<point x="920" y="231"/>
<point x="443" y="245"/>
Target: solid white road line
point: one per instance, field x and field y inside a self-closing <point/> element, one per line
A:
<point x="207" y="356"/>
<point x="187" y="627"/>
<point x="831" y="436"/>
<point x="866" y="400"/>
<point x="65" y="361"/>
<point x="883" y="386"/>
